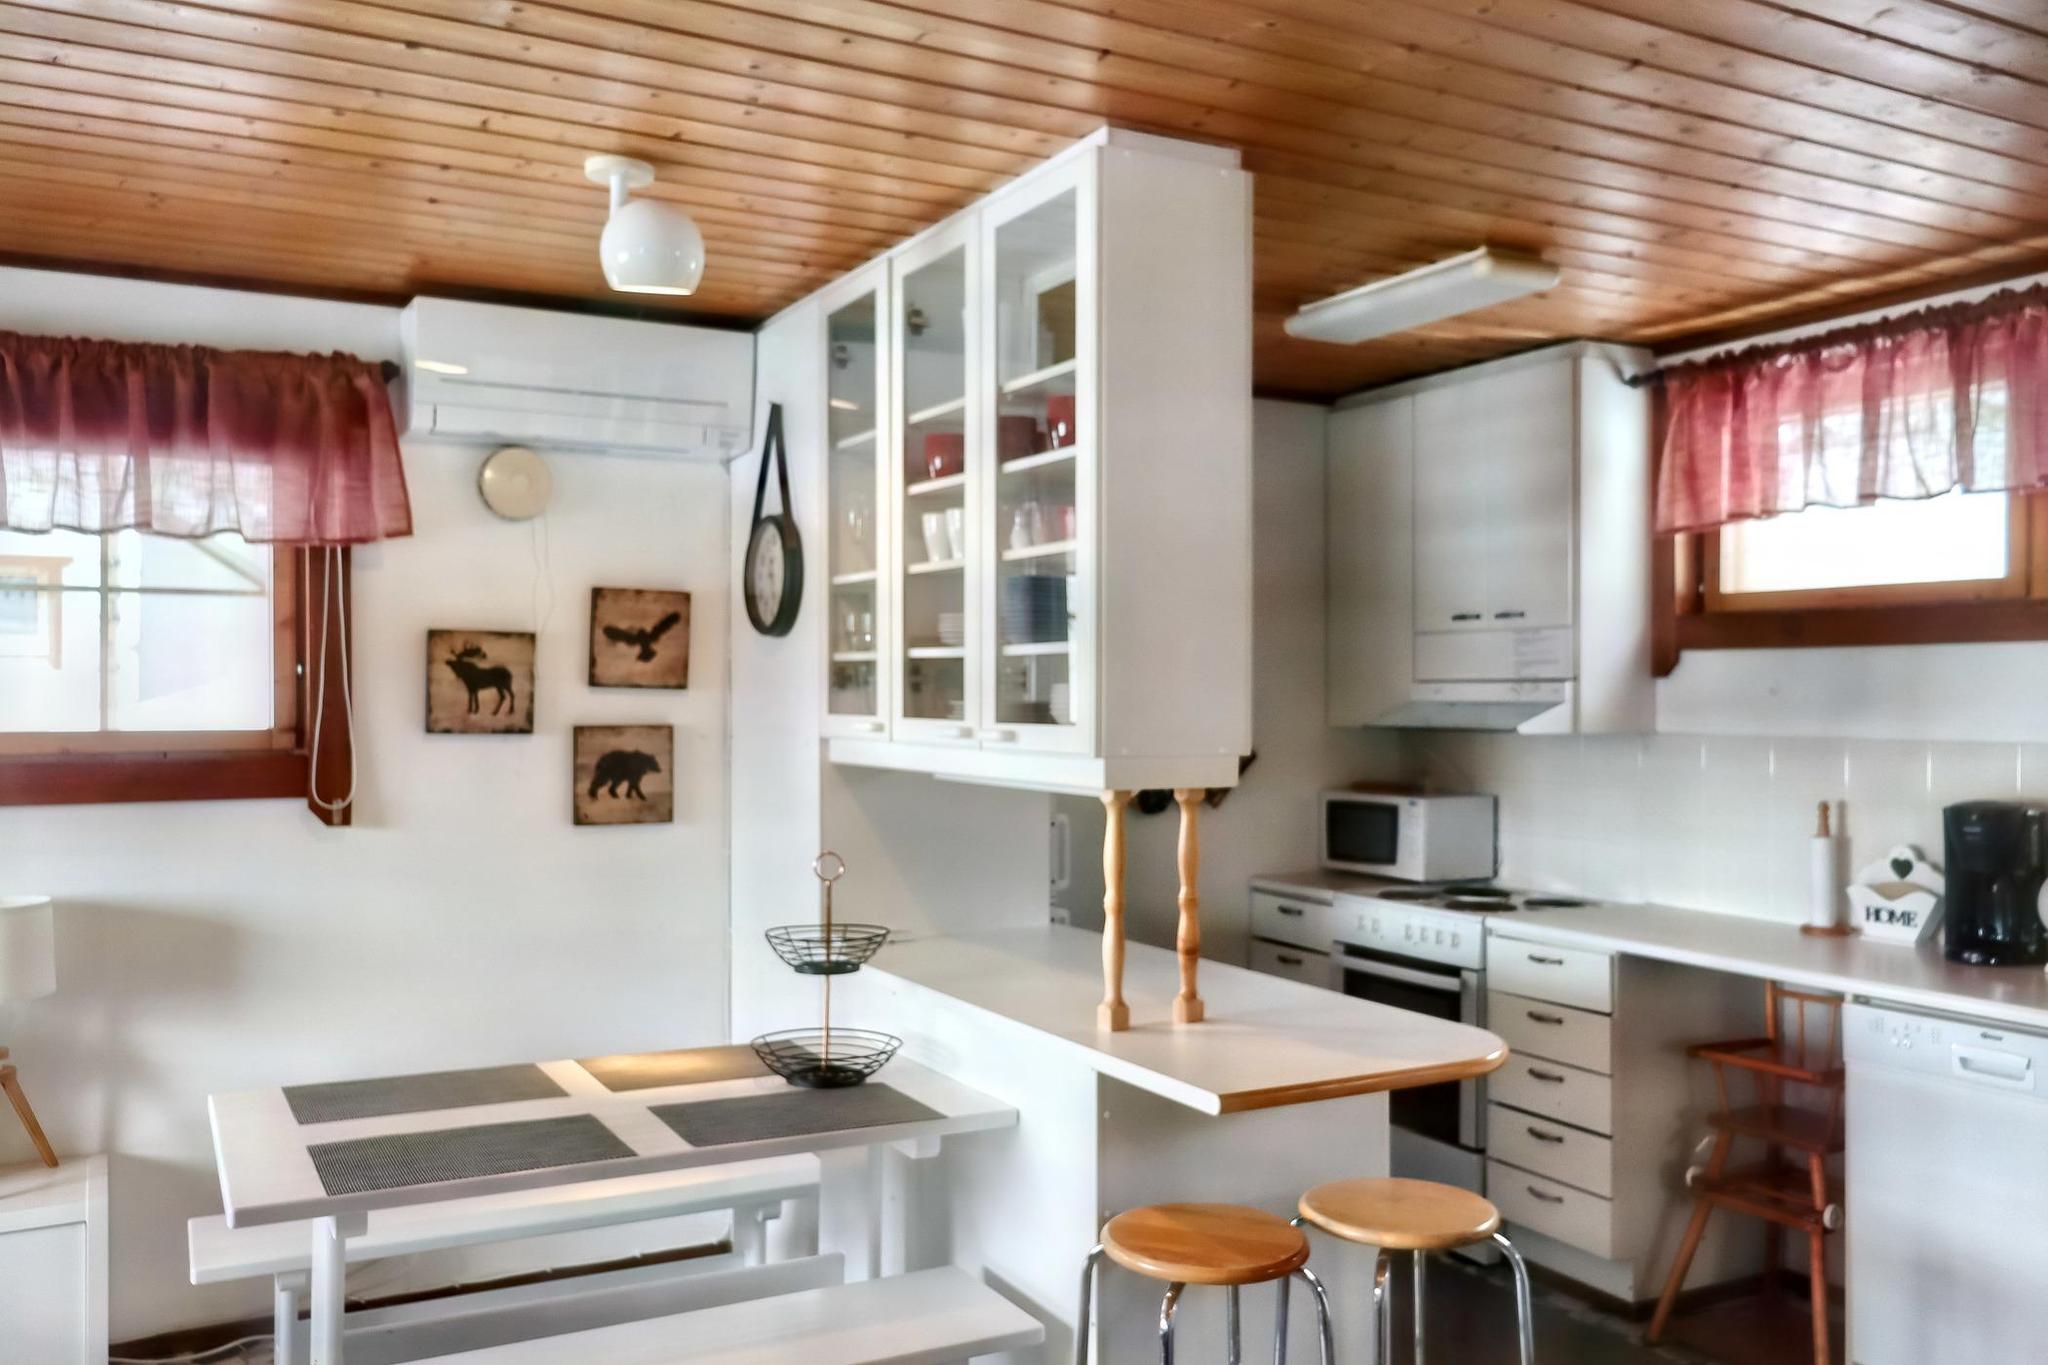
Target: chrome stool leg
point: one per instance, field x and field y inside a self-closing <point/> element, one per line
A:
<point x="1421" y="1262"/>
<point x="1525" y="1320"/>
<point x="1233" y="1353"/>
<point x="1280" y="1319"/>
<point x="1383" y="1306"/>
<point x="1087" y="1304"/>
<point x="1325" y="1331"/>
<point x="1166" y="1307"/>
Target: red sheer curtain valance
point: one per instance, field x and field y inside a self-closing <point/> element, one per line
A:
<point x="188" y="441"/>
<point x="1911" y="407"/>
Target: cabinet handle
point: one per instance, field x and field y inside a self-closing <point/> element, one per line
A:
<point x="963" y="732"/>
<point x="1509" y="615"/>
<point x="1542" y="1018"/>
<point x="1550" y="1077"/>
<point x="872" y="727"/>
<point x="1285" y="960"/>
<point x="1467" y="615"/>
<point x="1542" y="1136"/>
<point x="1546" y="1198"/>
<point x="1543" y="961"/>
<point x="1293" y="910"/>
<point x="1000" y="736"/>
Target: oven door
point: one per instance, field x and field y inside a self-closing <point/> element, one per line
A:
<point x="1451" y="1112"/>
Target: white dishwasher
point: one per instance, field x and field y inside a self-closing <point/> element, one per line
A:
<point x="1947" y="1198"/>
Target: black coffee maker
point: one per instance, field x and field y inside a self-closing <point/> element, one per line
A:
<point x="1997" y="859"/>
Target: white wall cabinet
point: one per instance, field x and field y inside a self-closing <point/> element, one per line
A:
<point x="1489" y="548"/>
<point x="53" y="1263"/>
<point x="1061" y="470"/>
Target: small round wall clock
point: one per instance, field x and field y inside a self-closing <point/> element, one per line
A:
<point x="773" y="571"/>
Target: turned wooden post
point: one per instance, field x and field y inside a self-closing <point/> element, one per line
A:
<point x="1187" y="1006"/>
<point x="1113" y="1014"/>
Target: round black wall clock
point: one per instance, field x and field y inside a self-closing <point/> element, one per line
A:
<point x="773" y="583"/>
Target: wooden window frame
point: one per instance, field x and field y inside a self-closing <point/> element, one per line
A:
<point x="43" y="769"/>
<point x="1693" y="613"/>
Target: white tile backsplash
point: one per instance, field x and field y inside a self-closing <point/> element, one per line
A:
<point x="1717" y="823"/>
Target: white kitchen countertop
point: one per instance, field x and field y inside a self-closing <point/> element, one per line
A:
<point x="1266" y="1041"/>
<point x="1905" y="974"/>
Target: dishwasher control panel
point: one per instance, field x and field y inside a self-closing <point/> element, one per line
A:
<point x="1967" y="1050"/>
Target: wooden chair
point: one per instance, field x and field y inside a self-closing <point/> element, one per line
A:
<point x="1789" y="1187"/>
<point x="1226" y="1245"/>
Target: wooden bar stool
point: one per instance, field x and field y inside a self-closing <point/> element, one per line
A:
<point x="1215" y="1244"/>
<point x="1785" y="1191"/>
<point x="1418" y="1216"/>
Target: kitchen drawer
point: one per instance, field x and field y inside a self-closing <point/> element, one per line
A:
<point x="1543" y="971"/>
<point x="1557" y="1150"/>
<point x="1539" y="1028"/>
<point x="1554" y="1091"/>
<point x="1572" y="1216"/>
<point x="1296" y="964"/>
<point x="1290" y="919"/>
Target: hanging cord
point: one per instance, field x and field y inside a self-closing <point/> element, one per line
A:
<point x="330" y="591"/>
<point x="543" y="573"/>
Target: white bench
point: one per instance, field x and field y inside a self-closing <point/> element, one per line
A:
<point x="928" y="1317"/>
<point x="754" y="1190"/>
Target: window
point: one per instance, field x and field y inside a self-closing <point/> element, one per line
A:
<point x="136" y="667"/>
<point x="1955" y="568"/>
<point x="127" y="642"/>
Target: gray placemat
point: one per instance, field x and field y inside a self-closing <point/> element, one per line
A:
<point x="789" y="1113"/>
<point x="683" y="1066"/>
<point x="416" y="1094"/>
<point x="395" y="1160"/>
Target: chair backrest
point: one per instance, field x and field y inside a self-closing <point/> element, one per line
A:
<point x="1801" y="1005"/>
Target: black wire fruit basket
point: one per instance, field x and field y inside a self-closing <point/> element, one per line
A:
<point x="826" y="1059"/>
<point x="819" y="950"/>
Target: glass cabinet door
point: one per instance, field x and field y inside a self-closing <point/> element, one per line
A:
<point x="1039" y="511"/>
<point x="936" y="537"/>
<point x="855" y="391"/>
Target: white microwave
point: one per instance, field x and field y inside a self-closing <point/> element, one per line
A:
<point x="1409" y="838"/>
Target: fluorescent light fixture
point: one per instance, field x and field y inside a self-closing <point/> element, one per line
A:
<point x="845" y="405"/>
<point x="1477" y="279"/>
<point x="647" y="248"/>
<point x="440" y="367"/>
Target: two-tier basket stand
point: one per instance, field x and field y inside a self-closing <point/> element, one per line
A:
<point x="826" y="1058"/>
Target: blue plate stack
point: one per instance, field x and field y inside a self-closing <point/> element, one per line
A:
<point x="1034" y="608"/>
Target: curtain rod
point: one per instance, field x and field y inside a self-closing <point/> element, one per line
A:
<point x="2000" y="300"/>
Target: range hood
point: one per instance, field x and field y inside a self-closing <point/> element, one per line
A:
<point x="1483" y="706"/>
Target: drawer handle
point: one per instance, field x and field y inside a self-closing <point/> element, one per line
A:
<point x="1293" y="910"/>
<point x="1546" y="1198"/>
<point x="1542" y="1018"/>
<point x="1467" y="615"/>
<point x="1542" y="1136"/>
<point x="1286" y="961"/>
<point x="1543" y="961"/>
<point x="1550" y="1076"/>
<point x="1509" y="615"/>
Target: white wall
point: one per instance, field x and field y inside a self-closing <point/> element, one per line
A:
<point x="1268" y="823"/>
<point x="221" y="945"/>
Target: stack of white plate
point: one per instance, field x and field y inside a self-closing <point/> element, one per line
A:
<point x="952" y="627"/>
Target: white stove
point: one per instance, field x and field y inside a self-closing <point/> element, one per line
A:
<point x="1423" y="948"/>
<point x="1443" y="924"/>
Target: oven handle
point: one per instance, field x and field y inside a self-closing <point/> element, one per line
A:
<point x="1429" y="981"/>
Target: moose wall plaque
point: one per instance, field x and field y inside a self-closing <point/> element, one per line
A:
<point x="479" y="682"/>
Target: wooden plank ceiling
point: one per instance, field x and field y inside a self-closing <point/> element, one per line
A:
<point x="1697" y="169"/>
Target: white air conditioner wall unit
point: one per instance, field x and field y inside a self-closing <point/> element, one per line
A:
<point x="486" y="373"/>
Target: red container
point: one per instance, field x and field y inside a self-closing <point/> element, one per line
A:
<point x="1017" y="436"/>
<point x="1059" y="419"/>
<point x="945" y="452"/>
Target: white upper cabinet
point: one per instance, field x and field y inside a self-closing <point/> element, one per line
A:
<point x="1507" y="581"/>
<point x="856" y="491"/>
<point x="1064" y="535"/>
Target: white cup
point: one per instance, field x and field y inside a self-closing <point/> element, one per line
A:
<point x="956" y="530"/>
<point x="935" y="542"/>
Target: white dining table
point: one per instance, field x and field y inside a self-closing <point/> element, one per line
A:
<point x="266" y="1155"/>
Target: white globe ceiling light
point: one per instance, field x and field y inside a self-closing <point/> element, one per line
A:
<point x="647" y="248"/>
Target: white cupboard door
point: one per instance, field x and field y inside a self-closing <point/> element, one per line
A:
<point x="1521" y="427"/>
<point x="1451" y="463"/>
<point x="857" y="491"/>
<point x="934" y="416"/>
<point x="1039" y="447"/>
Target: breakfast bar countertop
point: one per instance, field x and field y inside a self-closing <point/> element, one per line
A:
<point x="1266" y="1041"/>
<point x="1914" y="975"/>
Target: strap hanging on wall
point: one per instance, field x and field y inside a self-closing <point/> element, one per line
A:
<point x="772" y="575"/>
